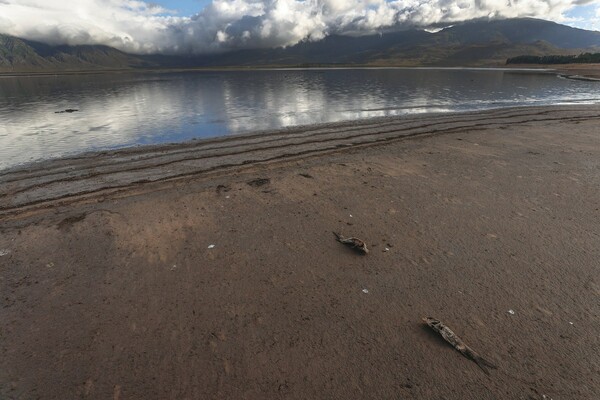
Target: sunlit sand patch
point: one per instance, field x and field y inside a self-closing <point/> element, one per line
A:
<point x="164" y="231"/>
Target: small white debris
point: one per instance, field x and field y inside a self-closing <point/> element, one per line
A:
<point x="212" y="246"/>
<point x="570" y="323"/>
<point x="351" y="216"/>
<point x="387" y="249"/>
<point x="511" y="312"/>
<point x="227" y="197"/>
<point x="173" y="267"/>
<point x="4" y="252"/>
<point x="365" y="290"/>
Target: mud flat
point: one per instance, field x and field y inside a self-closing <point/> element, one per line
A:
<point x="209" y="269"/>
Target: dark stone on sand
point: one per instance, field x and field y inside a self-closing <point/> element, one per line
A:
<point x="68" y="110"/>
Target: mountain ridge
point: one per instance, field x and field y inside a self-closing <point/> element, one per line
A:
<point x="21" y="55"/>
<point x="473" y="43"/>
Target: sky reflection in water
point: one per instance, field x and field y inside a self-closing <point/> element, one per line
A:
<point x="121" y="110"/>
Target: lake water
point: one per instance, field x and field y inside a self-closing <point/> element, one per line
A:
<point x="119" y="110"/>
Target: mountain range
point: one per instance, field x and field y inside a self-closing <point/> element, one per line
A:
<point x="474" y="43"/>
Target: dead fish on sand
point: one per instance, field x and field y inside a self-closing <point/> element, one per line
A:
<point x="458" y="344"/>
<point x="353" y="242"/>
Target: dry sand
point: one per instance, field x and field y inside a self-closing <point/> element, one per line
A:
<point x="110" y="290"/>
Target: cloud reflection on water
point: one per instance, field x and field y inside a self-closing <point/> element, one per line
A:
<point x="125" y="110"/>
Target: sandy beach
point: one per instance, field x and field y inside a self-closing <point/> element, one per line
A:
<point x="208" y="270"/>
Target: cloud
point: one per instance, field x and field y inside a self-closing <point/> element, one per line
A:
<point x="143" y="27"/>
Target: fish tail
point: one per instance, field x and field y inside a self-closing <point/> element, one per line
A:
<point x="480" y="361"/>
<point x="483" y="367"/>
<point x="487" y="363"/>
<point x="337" y="236"/>
<point x="483" y="364"/>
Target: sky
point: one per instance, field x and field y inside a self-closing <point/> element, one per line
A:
<point x="208" y="26"/>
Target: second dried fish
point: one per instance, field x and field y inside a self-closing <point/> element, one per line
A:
<point x="458" y="344"/>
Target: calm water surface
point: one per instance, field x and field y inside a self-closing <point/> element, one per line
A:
<point x="119" y="110"/>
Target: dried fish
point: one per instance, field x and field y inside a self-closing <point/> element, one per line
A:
<point x="353" y="242"/>
<point x="458" y="344"/>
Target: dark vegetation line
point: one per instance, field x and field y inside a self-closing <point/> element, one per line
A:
<point x="583" y="58"/>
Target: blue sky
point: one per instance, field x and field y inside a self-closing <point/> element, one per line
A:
<point x="185" y="7"/>
<point x="587" y="16"/>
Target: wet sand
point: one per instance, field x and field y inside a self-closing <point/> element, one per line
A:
<point x="112" y="289"/>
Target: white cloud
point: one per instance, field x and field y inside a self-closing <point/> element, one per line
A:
<point x="141" y="27"/>
<point x="594" y="22"/>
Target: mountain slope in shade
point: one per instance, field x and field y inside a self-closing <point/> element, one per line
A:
<point x="469" y="44"/>
<point x="15" y="52"/>
<point x="475" y="43"/>
<point x="19" y="55"/>
<point x="521" y="31"/>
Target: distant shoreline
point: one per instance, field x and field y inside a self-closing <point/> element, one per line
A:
<point x="587" y="72"/>
<point x="528" y="68"/>
<point x="580" y="78"/>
